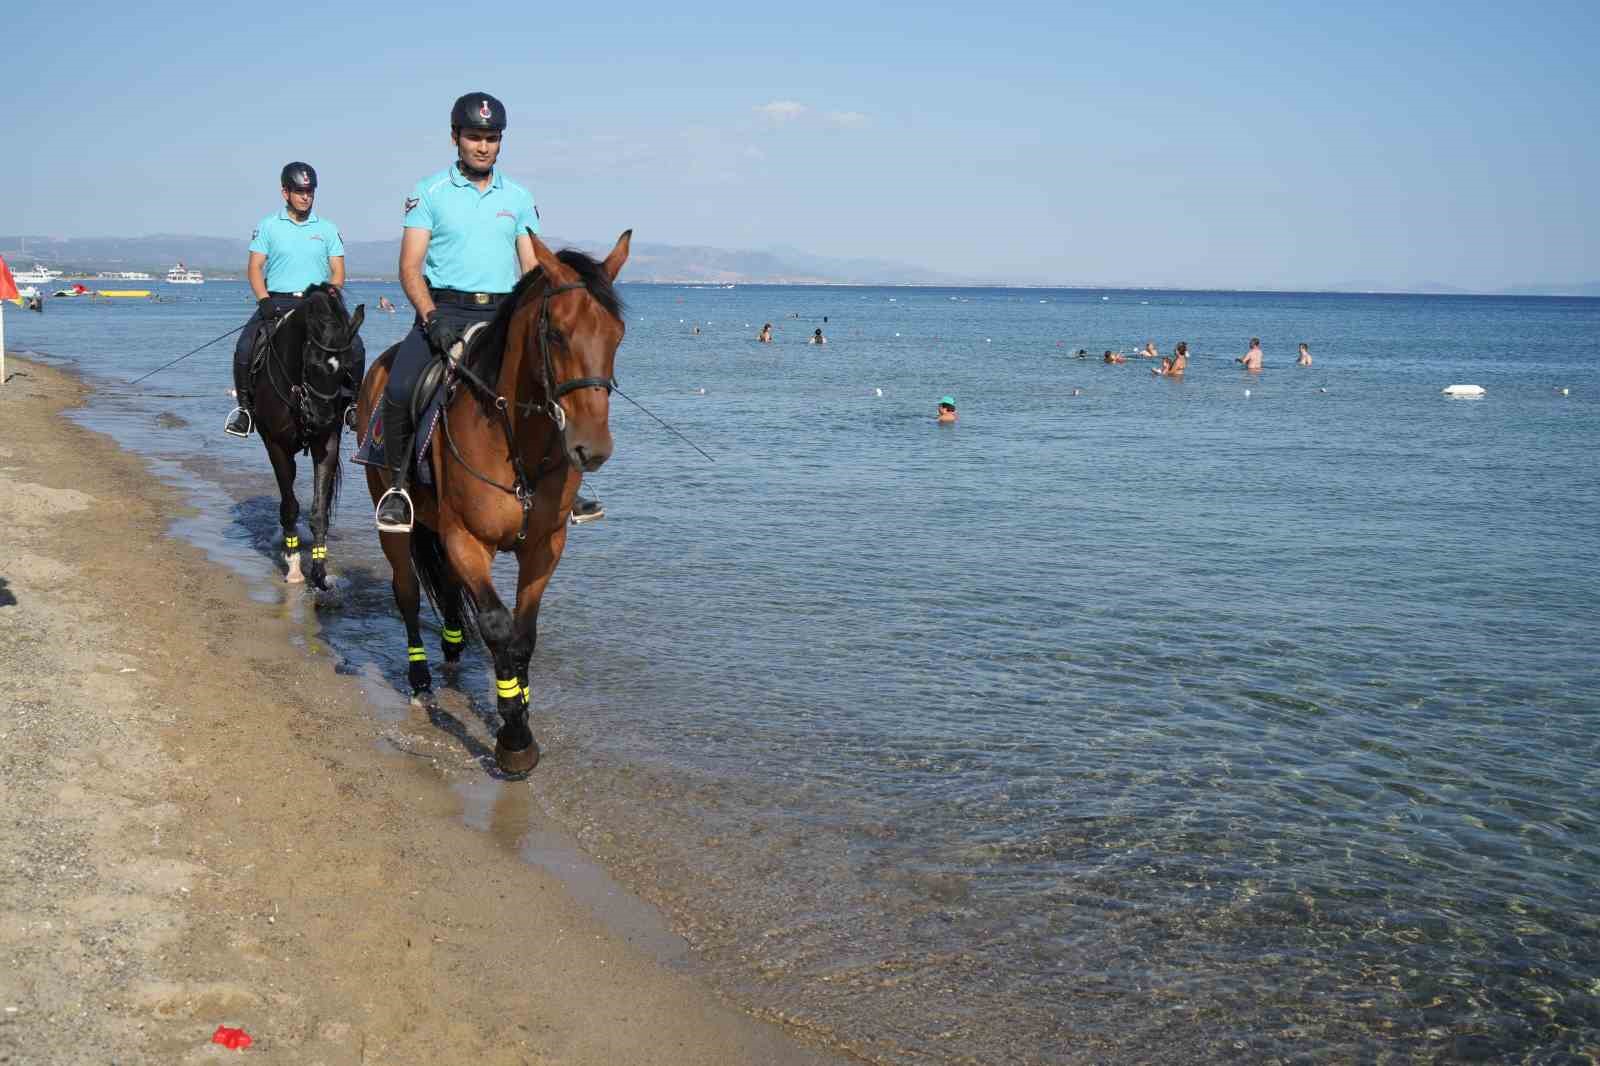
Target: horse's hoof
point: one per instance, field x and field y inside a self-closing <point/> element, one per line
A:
<point x="516" y="762"/>
<point x="424" y="699"/>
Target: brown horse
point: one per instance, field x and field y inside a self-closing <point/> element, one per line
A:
<point x="507" y="460"/>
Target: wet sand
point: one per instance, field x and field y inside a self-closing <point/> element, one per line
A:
<point x="201" y="824"/>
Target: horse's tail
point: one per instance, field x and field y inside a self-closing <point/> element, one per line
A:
<point x="433" y="573"/>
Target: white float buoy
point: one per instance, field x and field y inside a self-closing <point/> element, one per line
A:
<point x="1464" y="392"/>
<point x="988" y="340"/>
<point x="897" y="334"/>
<point x="878" y="392"/>
<point x="1247" y="392"/>
<point x="1565" y="391"/>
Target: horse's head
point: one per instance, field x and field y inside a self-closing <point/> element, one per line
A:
<point x="580" y="316"/>
<point x="330" y="333"/>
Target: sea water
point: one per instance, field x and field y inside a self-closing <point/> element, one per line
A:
<point x="1231" y="717"/>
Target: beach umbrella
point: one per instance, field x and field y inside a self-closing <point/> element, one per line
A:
<point x="8" y="291"/>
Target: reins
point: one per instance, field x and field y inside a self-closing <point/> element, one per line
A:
<point x="298" y="391"/>
<point x="521" y="487"/>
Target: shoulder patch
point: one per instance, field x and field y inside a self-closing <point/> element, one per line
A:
<point x="411" y="201"/>
<point x="255" y="233"/>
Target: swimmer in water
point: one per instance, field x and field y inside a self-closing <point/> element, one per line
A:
<point x="1180" y="360"/>
<point x="385" y="304"/>
<point x="947" y="409"/>
<point x="1114" y="357"/>
<point x="1251" y="360"/>
<point x="765" y="336"/>
<point x="817" y="337"/>
<point x="1081" y="353"/>
<point x="1149" y="351"/>
<point x="1305" y="355"/>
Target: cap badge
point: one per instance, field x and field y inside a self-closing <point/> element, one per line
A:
<point x="483" y="109"/>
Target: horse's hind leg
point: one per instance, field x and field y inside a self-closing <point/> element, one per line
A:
<point x="288" y="507"/>
<point x="453" y="640"/>
<point x="515" y="750"/>
<point x="408" y="597"/>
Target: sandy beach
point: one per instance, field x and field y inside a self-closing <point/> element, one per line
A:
<point x="201" y="827"/>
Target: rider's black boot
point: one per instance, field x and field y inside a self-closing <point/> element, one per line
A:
<point x="395" y="513"/>
<point x="241" y="420"/>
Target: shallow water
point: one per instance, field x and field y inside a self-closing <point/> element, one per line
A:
<point x="1157" y="721"/>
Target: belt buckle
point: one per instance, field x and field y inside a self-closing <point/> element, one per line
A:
<point x="480" y="298"/>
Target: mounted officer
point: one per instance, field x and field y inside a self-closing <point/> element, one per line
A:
<point x="466" y="243"/>
<point x="289" y="252"/>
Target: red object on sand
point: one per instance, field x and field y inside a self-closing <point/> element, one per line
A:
<point x="233" y="1039"/>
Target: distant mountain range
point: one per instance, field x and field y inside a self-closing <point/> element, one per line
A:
<point x="659" y="263"/>
<point x="375" y="260"/>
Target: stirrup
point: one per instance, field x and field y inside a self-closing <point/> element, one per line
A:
<point x="350" y="417"/>
<point x="394" y="527"/>
<point x="249" y="423"/>
<point x="586" y="511"/>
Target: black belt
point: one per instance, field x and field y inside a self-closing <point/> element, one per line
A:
<point x="467" y="299"/>
<point x="287" y="295"/>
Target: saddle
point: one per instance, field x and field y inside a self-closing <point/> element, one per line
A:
<point x="427" y="401"/>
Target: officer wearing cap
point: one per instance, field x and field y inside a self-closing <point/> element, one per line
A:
<point x="289" y="252"/>
<point x="466" y="244"/>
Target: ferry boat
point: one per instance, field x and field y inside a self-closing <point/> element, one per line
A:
<point x="181" y="275"/>
<point x="39" y="275"/>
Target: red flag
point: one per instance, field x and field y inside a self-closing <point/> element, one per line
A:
<point x="8" y="284"/>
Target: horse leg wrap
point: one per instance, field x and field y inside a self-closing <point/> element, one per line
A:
<point x="291" y="543"/>
<point x="453" y="639"/>
<point x="319" y="553"/>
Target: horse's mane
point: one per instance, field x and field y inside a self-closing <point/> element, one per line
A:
<point x="489" y="347"/>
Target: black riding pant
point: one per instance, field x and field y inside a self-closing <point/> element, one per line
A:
<point x="414" y="353"/>
<point x="244" y="351"/>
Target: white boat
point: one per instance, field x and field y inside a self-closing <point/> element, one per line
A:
<point x="124" y="275"/>
<point x="39" y="275"/>
<point x="182" y="275"/>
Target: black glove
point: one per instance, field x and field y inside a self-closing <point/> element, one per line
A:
<point x="442" y="336"/>
<point x="267" y="311"/>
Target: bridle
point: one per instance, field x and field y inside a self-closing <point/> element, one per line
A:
<point x="299" y="394"/>
<point x="521" y="486"/>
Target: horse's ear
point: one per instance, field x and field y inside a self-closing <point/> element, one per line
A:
<point x="553" y="268"/>
<point x="357" y="318"/>
<point x="618" y="256"/>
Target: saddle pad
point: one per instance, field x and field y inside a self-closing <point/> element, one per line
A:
<point x="374" y="453"/>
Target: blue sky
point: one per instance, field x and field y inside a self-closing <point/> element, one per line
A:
<point x="1157" y="143"/>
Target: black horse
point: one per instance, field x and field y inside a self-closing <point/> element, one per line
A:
<point x="302" y="387"/>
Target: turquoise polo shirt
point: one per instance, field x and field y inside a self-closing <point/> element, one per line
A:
<point x="297" y="252"/>
<point x="473" y="246"/>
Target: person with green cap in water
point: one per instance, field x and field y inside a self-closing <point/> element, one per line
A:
<point x="947" y="408"/>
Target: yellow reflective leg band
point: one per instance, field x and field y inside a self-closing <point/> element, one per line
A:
<point x="417" y="655"/>
<point x="319" y="552"/>
<point x="509" y="690"/>
<point x="291" y="543"/>
<point x="524" y="693"/>
<point x="452" y="636"/>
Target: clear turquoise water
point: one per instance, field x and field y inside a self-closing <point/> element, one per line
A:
<point x="1153" y="723"/>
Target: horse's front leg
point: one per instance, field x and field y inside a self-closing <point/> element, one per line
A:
<point x="325" y="456"/>
<point x="536" y="563"/>
<point x="515" y="751"/>
<point x="288" y="506"/>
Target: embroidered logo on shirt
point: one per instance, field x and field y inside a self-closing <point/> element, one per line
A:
<point x="503" y="213"/>
<point x="411" y="201"/>
<point x="316" y="236"/>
